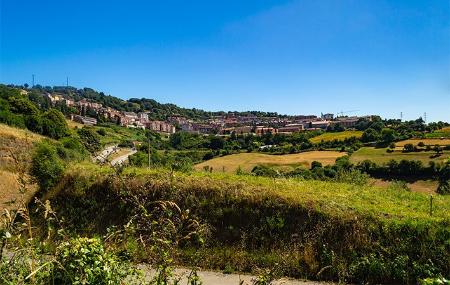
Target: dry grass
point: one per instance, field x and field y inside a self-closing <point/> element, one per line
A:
<point x="247" y="161"/>
<point x="9" y="190"/>
<point x="340" y="136"/>
<point x="73" y="124"/>
<point x="20" y="134"/>
<point x="430" y="142"/>
<point x="419" y="186"/>
<point x="16" y="143"/>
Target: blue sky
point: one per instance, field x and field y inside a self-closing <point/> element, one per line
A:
<point x="295" y="57"/>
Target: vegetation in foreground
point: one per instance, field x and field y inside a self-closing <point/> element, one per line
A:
<point x="312" y="229"/>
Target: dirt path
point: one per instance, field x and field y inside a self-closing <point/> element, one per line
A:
<point x="218" y="278"/>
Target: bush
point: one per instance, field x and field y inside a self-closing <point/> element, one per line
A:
<point x="315" y="164"/>
<point x="85" y="261"/>
<point x="101" y="132"/>
<point x="46" y="166"/>
<point x="89" y="139"/>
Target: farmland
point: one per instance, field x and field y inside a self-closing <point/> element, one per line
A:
<point x="427" y="142"/>
<point x="380" y="155"/>
<point x="336" y="136"/>
<point x="247" y="161"/>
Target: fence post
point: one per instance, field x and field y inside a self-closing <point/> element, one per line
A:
<point x="431" y="205"/>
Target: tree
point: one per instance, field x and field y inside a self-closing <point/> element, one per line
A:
<point x="370" y="135"/>
<point x="388" y="135"/>
<point x="54" y="124"/>
<point x="409" y="147"/>
<point x="216" y="143"/>
<point x="444" y="179"/>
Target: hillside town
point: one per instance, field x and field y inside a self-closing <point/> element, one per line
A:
<point x="88" y="113"/>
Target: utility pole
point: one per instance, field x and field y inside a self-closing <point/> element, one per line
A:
<point x="32" y="76"/>
<point x="401" y="116"/>
<point x="67" y="81"/>
<point x="425" y="117"/>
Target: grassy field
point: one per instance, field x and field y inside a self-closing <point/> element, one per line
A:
<point x="336" y="136"/>
<point x="247" y="161"/>
<point x="430" y="142"/>
<point x="380" y="155"/>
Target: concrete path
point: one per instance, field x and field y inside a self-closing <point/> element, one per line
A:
<point x="105" y="153"/>
<point x="121" y="159"/>
<point x="218" y="278"/>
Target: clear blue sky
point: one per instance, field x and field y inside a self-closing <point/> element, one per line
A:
<point x="295" y="57"/>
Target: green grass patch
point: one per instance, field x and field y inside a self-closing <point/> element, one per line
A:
<point x="340" y="136"/>
<point x="380" y="155"/>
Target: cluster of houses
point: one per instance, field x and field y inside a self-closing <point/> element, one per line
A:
<point x="126" y="119"/>
<point x="222" y="125"/>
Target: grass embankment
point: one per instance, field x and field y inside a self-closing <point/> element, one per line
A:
<point x="16" y="143"/>
<point x="313" y="229"/>
<point x="113" y="134"/>
<point x="380" y="155"/>
<point x="340" y="136"/>
<point x="247" y="161"/>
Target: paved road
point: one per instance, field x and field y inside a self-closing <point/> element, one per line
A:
<point x="121" y="159"/>
<point x="105" y="153"/>
<point x="218" y="278"/>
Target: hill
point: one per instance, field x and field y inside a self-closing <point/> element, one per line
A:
<point x="159" y="111"/>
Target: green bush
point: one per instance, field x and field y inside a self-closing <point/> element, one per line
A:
<point x="90" y="139"/>
<point x="46" y="166"/>
<point x="85" y="261"/>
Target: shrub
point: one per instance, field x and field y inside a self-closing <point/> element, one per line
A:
<point x="46" y="166"/>
<point x="90" y="139"/>
<point x="85" y="261"/>
<point x="315" y="164"/>
<point x="101" y="132"/>
<point x="409" y="147"/>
